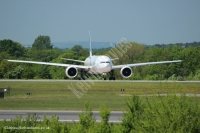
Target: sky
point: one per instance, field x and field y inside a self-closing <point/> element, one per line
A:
<point x="142" y="21"/>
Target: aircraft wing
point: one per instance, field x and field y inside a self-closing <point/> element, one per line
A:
<point x="52" y="64"/>
<point x="143" y="64"/>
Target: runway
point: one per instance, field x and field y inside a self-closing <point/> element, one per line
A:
<point x="52" y="80"/>
<point x="64" y="116"/>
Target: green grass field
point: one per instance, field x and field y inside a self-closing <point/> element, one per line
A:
<point x="57" y="95"/>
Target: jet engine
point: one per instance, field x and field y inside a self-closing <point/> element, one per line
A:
<point x="71" y="72"/>
<point x="126" y="72"/>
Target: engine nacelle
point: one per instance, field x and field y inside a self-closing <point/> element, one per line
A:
<point x="71" y="72"/>
<point x="126" y="71"/>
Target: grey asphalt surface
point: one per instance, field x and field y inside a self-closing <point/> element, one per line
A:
<point x="64" y="116"/>
<point x="52" y="80"/>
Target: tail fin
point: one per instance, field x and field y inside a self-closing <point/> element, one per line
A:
<point x="90" y="45"/>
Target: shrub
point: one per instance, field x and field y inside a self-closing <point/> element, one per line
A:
<point x="154" y="77"/>
<point x="173" y="77"/>
<point x="197" y="75"/>
<point x="180" y="78"/>
<point x="164" y="114"/>
<point x="133" y="115"/>
<point x="104" y="125"/>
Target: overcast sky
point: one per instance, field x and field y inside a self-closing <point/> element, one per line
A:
<point x="143" y="21"/>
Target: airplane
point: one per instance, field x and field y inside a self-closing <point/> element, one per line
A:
<point x="100" y="64"/>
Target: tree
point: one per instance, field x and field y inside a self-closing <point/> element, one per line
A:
<point x="43" y="55"/>
<point x="28" y="72"/>
<point x="14" y="74"/>
<point x="130" y="52"/>
<point x="42" y="42"/>
<point x="43" y="72"/>
<point x="81" y="52"/>
<point x="5" y="66"/>
<point x="12" y="48"/>
<point x="77" y="48"/>
<point x="190" y="57"/>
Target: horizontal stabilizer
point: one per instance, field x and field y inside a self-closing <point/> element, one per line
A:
<point x="72" y="60"/>
<point x="115" y="59"/>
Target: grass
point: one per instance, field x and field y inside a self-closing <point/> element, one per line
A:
<point x="57" y="96"/>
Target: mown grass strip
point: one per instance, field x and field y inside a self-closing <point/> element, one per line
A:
<point x="57" y="96"/>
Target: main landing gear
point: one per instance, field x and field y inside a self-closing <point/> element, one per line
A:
<point x="112" y="76"/>
<point x="82" y="77"/>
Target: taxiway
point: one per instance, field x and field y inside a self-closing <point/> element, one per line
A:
<point x="64" y="116"/>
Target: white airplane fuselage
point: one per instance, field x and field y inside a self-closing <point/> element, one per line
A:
<point x="100" y="64"/>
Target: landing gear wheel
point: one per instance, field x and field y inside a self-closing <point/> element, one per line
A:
<point x="111" y="78"/>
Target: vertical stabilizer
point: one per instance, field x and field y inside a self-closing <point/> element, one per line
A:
<point x="90" y="45"/>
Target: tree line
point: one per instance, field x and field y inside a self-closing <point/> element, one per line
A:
<point x="42" y="50"/>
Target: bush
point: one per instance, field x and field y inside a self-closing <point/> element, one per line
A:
<point x="154" y="77"/>
<point x="197" y="75"/>
<point x="190" y="77"/>
<point x="132" y="116"/>
<point x="104" y="125"/>
<point x="135" y="76"/>
<point x="180" y="78"/>
<point x="173" y="77"/>
<point x="164" y="114"/>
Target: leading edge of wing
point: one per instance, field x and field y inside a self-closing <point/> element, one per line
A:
<point x="143" y="64"/>
<point x="51" y="64"/>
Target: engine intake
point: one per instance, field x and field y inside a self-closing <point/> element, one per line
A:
<point x="126" y="72"/>
<point x="71" y="72"/>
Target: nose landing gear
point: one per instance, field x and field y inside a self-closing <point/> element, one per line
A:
<point x="104" y="76"/>
<point x="112" y="76"/>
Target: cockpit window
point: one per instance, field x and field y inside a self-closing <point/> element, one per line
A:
<point x="105" y="62"/>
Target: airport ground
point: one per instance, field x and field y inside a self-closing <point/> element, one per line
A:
<point x="57" y="95"/>
<point x="54" y="97"/>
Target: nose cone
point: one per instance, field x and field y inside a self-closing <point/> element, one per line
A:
<point x="108" y="68"/>
<point x="105" y="64"/>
